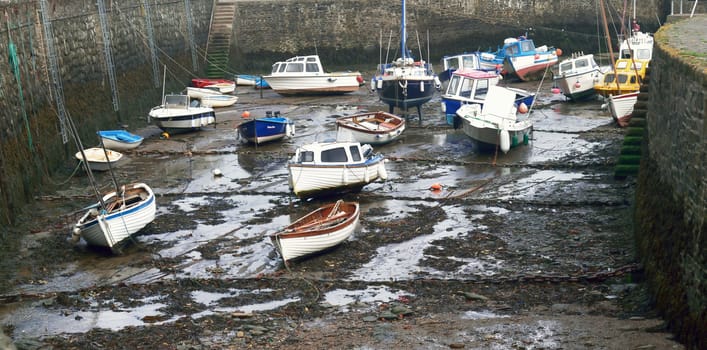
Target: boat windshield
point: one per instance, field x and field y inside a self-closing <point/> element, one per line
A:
<point x="355" y="153"/>
<point x="335" y="155"/>
<point x="453" y="84"/>
<point x="527" y="45"/>
<point x="306" y="156"/>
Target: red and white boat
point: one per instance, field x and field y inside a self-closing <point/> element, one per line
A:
<point x="223" y="86"/>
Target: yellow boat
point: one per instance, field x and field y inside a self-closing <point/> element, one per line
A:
<point x="630" y="73"/>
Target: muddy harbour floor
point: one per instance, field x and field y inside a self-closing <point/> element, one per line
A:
<point x="532" y="249"/>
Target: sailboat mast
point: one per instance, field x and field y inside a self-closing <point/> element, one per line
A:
<point x="403" y="44"/>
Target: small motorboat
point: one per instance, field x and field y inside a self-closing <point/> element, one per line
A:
<point x="320" y="169"/>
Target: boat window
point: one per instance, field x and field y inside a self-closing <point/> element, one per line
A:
<point x="282" y="67"/>
<point x="451" y="63"/>
<point x="312" y="67"/>
<point x="623" y="78"/>
<point x="275" y="67"/>
<point x="334" y="155"/>
<point x="469" y="62"/>
<point x="512" y="50"/>
<point x="609" y="78"/>
<point x="626" y="54"/>
<point x="621" y="65"/>
<point x="482" y="87"/>
<point x="295" y="67"/>
<point x="644" y="54"/>
<point x="306" y="156"/>
<point x="581" y="64"/>
<point x="311" y="59"/>
<point x="633" y="79"/>
<point x="567" y="66"/>
<point x="467" y="84"/>
<point x="453" y="84"/>
<point x="355" y="154"/>
<point x="527" y="45"/>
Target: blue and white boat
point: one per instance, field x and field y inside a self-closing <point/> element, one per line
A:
<point x="519" y="58"/>
<point x="251" y="80"/>
<point x="460" y="61"/>
<point x="470" y="86"/>
<point x="405" y="82"/>
<point x="119" y="140"/>
<point x="270" y="128"/>
<point x="117" y="216"/>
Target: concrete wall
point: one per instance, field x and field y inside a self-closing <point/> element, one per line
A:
<point x="672" y="187"/>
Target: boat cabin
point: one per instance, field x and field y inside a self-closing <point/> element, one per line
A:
<point x="299" y="65"/>
<point x="577" y="65"/>
<point x="176" y="101"/>
<point x="520" y="46"/>
<point x="630" y="76"/>
<point x="456" y="62"/>
<point x="334" y="153"/>
<point x="467" y="86"/>
<point x="638" y="46"/>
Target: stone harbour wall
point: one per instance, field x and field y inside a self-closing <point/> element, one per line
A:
<point x="672" y="186"/>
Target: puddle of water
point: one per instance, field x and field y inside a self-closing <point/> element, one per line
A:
<point x="401" y="261"/>
<point x="481" y="315"/>
<point x="271" y="305"/>
<point x="36" y="320"/>
<point x="369" y="296"/>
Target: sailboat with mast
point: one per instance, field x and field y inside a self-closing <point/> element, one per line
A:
<point x="405" y="82"/>
<point x="621" y="86"/>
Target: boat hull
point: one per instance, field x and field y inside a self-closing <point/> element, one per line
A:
<point x="112" y="228"/>
<point x="311" y="234"/>
<point x="578" y="87"/>
<point x="267" y="129"/>
<point x="406" y="93"/>
<point x="327" y="84"/>
<point x="119" y="140"/>
<point x="182" y="120"/>
<point x="96" y="158"/>
<point x="528" y="67"/>
<point x="490" y="136"/>
<point x="621" y="107"/>
<point x="218" y="101"/>
<point x="375" y="128"/>
<point x="311" y="180"/>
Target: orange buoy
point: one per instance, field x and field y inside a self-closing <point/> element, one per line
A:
<point x="164" y="135"/>
<point x="523" y="108"/>
<point x="558" y="52"/>
<point x="436" y="186"/>
<point x="245" y="114"/>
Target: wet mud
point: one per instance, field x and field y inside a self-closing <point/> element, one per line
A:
<point x="525" y="250"/>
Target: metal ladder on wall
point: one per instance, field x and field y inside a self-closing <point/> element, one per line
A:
<point x="56" y="85"/>
<point x="219" y="40"/>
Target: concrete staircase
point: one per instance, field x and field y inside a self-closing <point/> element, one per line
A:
<point x="219" y="41"/>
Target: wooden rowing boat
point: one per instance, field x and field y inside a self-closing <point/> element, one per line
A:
<point x="321" y="229"/>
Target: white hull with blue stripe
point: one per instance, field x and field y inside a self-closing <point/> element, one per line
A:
<point x="117" y="216"/>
